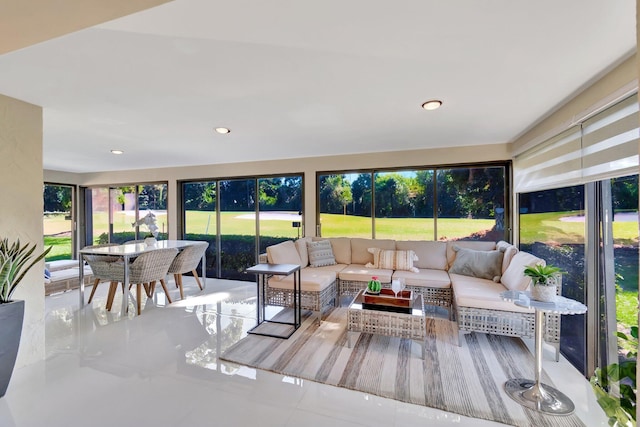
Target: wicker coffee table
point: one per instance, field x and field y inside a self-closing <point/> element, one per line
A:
<point x="372" y="321"/>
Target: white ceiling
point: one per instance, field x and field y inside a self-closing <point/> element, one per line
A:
<point x="300" y="78"/>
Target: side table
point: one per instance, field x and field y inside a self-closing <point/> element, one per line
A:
<point x="534" y="394"/>
<point x="262" y="272"/>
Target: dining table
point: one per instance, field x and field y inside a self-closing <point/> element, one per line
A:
<point x="128" y="252"/>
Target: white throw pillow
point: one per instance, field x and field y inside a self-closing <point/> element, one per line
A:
<point x="513" y="278"/>
<point x="283" y="253"/>
<point x="320" y="253"/>
<point x="301" y="246"/>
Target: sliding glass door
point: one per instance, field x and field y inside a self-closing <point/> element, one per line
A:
<point x="240" y="217"/>
<point x="552" y="227"/>
<point x="110" y="212"/>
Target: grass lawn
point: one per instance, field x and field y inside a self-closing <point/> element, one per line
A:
<point x="547" y="227"/>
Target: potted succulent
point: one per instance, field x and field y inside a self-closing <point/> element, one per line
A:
<point x="15" y="261"/>
<point x="545" y="279"/>
<point x="374" y="286"/>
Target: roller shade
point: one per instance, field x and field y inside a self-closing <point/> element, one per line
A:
<point x="604" y="146"/>
<point x="610" y="142"/>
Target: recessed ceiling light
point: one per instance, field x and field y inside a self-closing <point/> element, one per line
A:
<point x="434" y="104"/>
<point x="223" y="130"/>
<point x="117" y="151"/>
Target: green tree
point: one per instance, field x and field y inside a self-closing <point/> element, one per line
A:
<point x="361" y="195"/>
<point x="393" y="195"/>
<point x="57" y="198"/>
<point x="335" y="194"/>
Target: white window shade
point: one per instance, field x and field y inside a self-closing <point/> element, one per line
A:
<point x="610" y="142"/>
<point x="604" y="146"/>
<point x="553" y="161"/>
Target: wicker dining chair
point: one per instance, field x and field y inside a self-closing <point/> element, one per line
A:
<point x="100" y="267"/>
<point x="147" y="269"/>
<point x="187" y="261"/>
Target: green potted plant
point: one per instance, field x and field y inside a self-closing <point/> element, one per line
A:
<point x="15" y="261"/>
<point x="545" y="280"/>
<point x="615" y="385"/>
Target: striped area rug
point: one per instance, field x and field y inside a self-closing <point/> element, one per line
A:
<point x="466" y="380"/>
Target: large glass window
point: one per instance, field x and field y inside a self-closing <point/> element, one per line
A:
<point x="552" y="227"/>
<point x="345" y="205"/>
<point x="110" y="212"/>
<point x="404" y="205"/>
<point x="58" y="221"/>
<point x="471" y="203"/>
<point x="624" y="195"/>
<point x="280" y="209"/>
<point x="200" y="218"/>
<point x="433" y="204"/>
<point x="237" y="226"/>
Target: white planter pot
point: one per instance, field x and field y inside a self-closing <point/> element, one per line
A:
<point x="150" y="241"/>
<point x="544" y="293"/>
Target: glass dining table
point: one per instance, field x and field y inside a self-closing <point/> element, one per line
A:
<point x="130" y="251"/>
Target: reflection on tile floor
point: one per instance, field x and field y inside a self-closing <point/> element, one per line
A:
<point x="162" y="369"/>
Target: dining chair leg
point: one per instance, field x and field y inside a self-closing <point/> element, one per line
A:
<point x="152" y="288"/>
<point x="176" y="278"/>
<point x="166" y="291"/>
<point x="179" y="283"/>
<point x="139" y="297"/>
<point x="93" y="290"/>
<point x="113" y="286"/>
<point x="147" y="289"/>
<point x="195" y="274"/>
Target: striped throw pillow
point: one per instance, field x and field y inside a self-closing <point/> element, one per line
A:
<point x="320" y="253"/>
<point x="393" y="260"/>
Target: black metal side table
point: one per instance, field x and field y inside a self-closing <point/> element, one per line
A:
<point x="262" y="272"/>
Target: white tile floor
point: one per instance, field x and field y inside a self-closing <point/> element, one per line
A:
<point x="161" y="369"/>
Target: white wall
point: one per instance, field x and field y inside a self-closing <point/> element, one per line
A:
<point x="615" y="85"/>
<point x="21" y="210"/>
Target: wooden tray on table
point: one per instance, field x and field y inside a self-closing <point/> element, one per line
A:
<point x="387" y="301"/>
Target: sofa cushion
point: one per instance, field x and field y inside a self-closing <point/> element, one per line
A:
<point x="312" y="280"/>
<point x="341" y="249"/>
<point x="392" y="260"/>
<point x="61" y="264"/>
<point x="427" y="277"/>
<point x="431" y="254"/>
<point x="336" y="268"/>
<point x="481" y="293"/>
<point x="301" y="247"/>
<point x="467" y="244"/>
<point x="359" y="252"/>
<point x="482" y="264"/>
<point x="360" y="273"/>
<point x="513" y="278"/>
<point x="283" y="253"/>
<point x="320" y="253"/>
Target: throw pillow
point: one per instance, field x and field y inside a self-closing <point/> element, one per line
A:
<point x="320" y="253"/>
<point x="481" y="264"/>
<point x="513" y="277"/>
<point x="283" y="253"/>
<point x="393" y="260"/>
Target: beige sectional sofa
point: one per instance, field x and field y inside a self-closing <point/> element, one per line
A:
<point x="474" y="302"/>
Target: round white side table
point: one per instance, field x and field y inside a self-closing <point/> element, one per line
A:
<point x="533" y="394"/>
